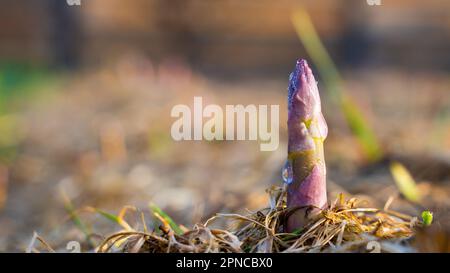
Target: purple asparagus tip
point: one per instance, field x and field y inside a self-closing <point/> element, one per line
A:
<point x="307" y="129"/>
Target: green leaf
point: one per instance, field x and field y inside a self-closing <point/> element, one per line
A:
<point x="427" y="217"/>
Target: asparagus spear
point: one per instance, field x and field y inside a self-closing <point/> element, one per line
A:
<point x="305" y="171"/>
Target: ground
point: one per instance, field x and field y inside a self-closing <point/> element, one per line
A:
<point x="101" y="138"/>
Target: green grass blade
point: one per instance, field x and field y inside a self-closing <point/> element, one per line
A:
<point x="111" y="217"/>
<point x="76" y="219"/>
<point x="334" y="84"/>
<point x="119" y="219"/>
<point x="170" y="221"/>
<point x="361" y="129"/>
<point x="405" y="182"/>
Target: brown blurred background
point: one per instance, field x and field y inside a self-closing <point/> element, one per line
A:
<point x="221" y="36"/>
<point x="86" y="93"/>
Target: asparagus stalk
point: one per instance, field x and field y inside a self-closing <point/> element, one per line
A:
<point x="305" y="171"/>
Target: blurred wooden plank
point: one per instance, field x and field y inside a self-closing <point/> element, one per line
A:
<point x="237" y="34"/>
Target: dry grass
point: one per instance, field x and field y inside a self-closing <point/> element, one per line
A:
<point x="346" y="226"/>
